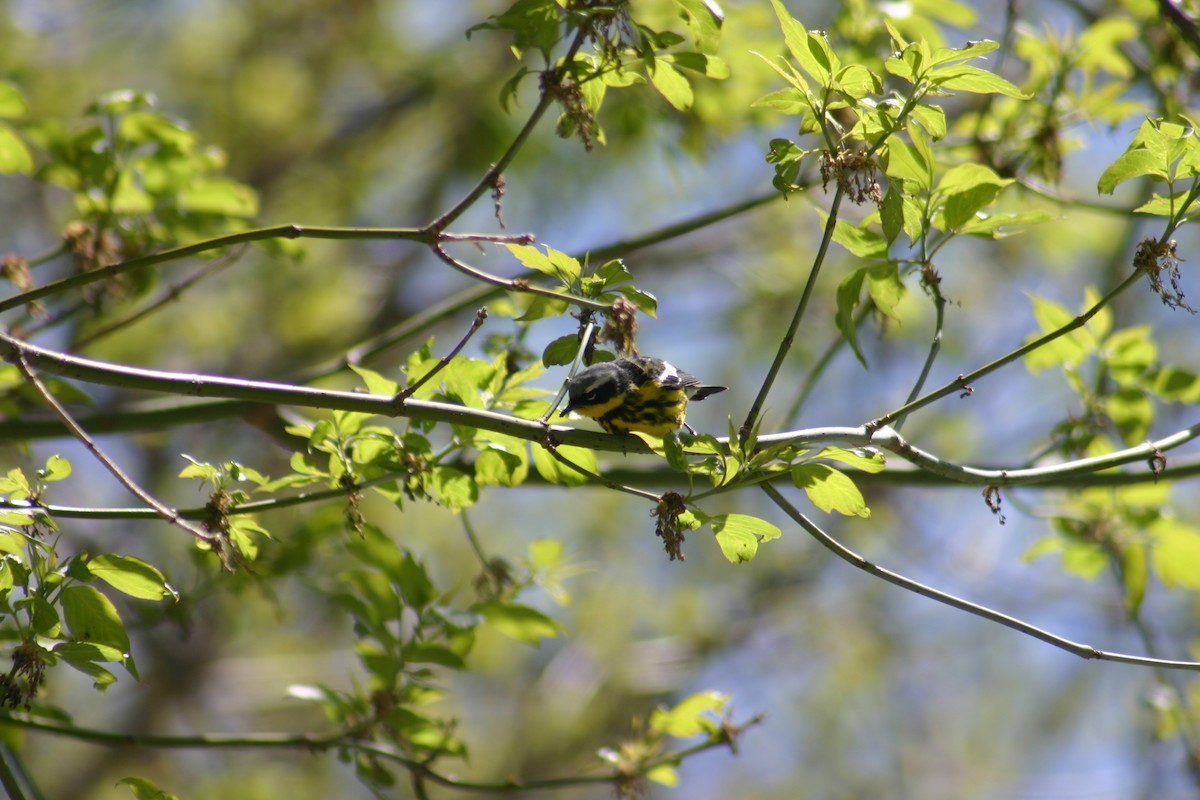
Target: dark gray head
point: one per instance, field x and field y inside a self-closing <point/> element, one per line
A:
<point x="597" y="385"/>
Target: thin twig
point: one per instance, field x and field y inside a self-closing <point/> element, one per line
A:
<point x="552" y="448"/>
<point x="346" y="738"/>
<point x="488" y="181"/>
<point x="854" y="559"/>
<point x="785" y="344"/>
<point x="498" y="238"/>
<point x="167" y="514"/>
<point x="584" y="340"/>
<point x="480" y="316"/>
<point x="8" y="778"/>
<point x="257" y="235"/>
<point x="1185" y="729"/>
<point x="889" y="440"/>
<point x="963" y="382"/>
<point x="935" y="345"/>
<point x="516" y="285"/>
<point x="813" y="376"/>
<point x="268" y="393"/>
<point x="171" y="295"/>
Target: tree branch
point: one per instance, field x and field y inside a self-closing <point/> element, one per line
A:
<point x="126" y="481"/>
<point x="785" y="344"/>
<point x="858" y="562"/>
<point x="963" y="382"/>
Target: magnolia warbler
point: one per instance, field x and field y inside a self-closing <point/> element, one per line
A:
<point x="635" y="394"/>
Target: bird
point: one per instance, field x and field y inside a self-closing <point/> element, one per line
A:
<point x="646" y="395"/>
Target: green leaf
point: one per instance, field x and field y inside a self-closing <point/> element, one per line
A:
<point x="966" y="177"/>
<point x="56" y="469"/>
<point x="44" y="618"/>
<point x="497" y="465"/>
<point x="906" y="162"/>
<point x="1176" y="555"/>
<point x="1085" y="560"/>
<point x="1065" y="351"/>
<point x="645" y="301"/>
<point x="1131" y="411"/>
<point x="695" y="715"/>
<point x="534" y="24"/>
<point x="561" y="351"/>
<point x="862" y="241"/>
<point x="92" y="618"/>
<point x="12" y="102"/>
<point x="131" y="575"/>
<point x="830" y="490"/>
<point x="121" y="101"/>
<point x="709" y="66"/>
<point x="453" y="488"/>
<point x="415" y="585"/>
<point x="944" y="55"/>
<point x="664" y="775"/>
<point x="218" y="195"/>
<point x="552" y="262"/>
<point x="999" y="226"/>
<point x="430" y="653"/>
<point x="848" y="297"/>
<point x="886" y="287"/>
<point x="671" y="85"/>
<point x="674" y="452"/>
<point x="1169" y="206"/>
<point x="15" y="484"/>
<point x="82" y="659"/>
<point x="468" y="379"/>
<point x="1175" y="384"/>
<point x="1132" y="164"/>
<point x="865" y="460"/>
<point x="704" y="19"/>
<point x="538" y="306"/>
<point x="1133" y="573"/>
<point x="145" y="790"/>
<point x="891" y="213"/>
<point x="546" y="553"/>
<point x="932" y="119"/>
<point x="973" y="79"/>
<point x="790" y="101"/>
<point x="1045" y="546"/>
<point x="375" y="383"/>
<point x="796" y="39"/>
<point x="555" y="471"/>
<point x="519" y="622"/>
<point x="19" y="519"/>
<point x="855" y="82"/>
<point x="886" y="290"/>
<point x="14" y="154"/>
<point x="81" y="651"/>
<point x="739" y="535"/>
<point x="148" y="127"/>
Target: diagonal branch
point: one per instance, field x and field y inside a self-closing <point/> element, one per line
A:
<point x="963" y="382"/>
<point x="785" y="344"/>
<point x="163" y="511"/>
<point x="908" y="584"/>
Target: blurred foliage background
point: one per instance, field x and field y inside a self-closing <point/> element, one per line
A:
<point x="383" y="113"/>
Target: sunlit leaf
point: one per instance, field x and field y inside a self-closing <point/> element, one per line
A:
<point x="519" y="622"/>
<point x="130" y="575"/>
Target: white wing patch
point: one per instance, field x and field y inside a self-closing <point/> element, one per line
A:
<point x="669" y="375"/>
